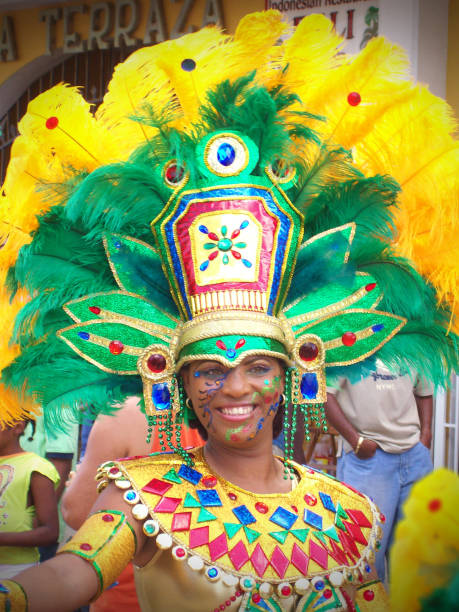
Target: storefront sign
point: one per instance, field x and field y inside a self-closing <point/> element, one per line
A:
<point x="355" y="20"/>
<point x="109" y="24"/>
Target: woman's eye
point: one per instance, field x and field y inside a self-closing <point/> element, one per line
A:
<point x="212" y="374"/>
<point x="260" y="369"/>
<point x="226" y="155"/>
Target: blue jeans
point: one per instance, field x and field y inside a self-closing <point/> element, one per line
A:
<point x="387" y="478"/>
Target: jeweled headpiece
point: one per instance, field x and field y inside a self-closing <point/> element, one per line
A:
<point x="266" y="236"/>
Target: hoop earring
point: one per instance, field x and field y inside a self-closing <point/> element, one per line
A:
<point x="281" y="400"/>
<point x="188" y="404"/>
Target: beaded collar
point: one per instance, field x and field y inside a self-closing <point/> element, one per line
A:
<point x="316" y="537"/>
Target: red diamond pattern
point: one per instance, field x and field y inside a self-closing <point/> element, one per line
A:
<point x="355" y="532"/>
<point x="239" y="555"/>
<point x="157" y="487"/>
<point x="318" y="554"/>
<point x="181" y="521"/>
<point x="199" y="536"/>
<point x="279" y="562"/>
<point x="167" y="504"/>
<point x="338" y="554"/>
<point x="348" y="544"/>
<point x="218" y="547"/>
<point x="259" y="560"/>
<point x="358" y="517"/>
<point x="300" y="559"/>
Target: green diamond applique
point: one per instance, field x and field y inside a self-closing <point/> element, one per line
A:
<point x="251" y="534"/>
<point x="341" y="512"/>
<point x="320" y="536"/>
<point x="332" y="533"/>
<point x="172" y="476"/>
<point x="205" y="515"/>
<point x="300" y="534"/>
<point x="191" y="502"/>
<point x="231" y="529"/>
<point x="339" y="523"/>
<point x="280" y="536"/>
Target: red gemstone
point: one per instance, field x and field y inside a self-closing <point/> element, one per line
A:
<point x="354" y="98"/>
<point x="233" y="597"/>
<point x="232" y="496"/>
<point x="221" y="345"/>
<point x="113" y="470"/>
<point x="95" y="309"/>
<point x="286" y="591"/>
<point x="434" y="505"/>
<point x="108" y="518"/>
<point x="327" y="593"/>
<point x="180" y="552"/>
<point x="52" y="122"/>
<point x="212" y="255"/>
<point x="348" y="338"/>
<point x="156" y="363"/>
<point x="238" y="593"/>
<point x="368" y="595"/>
<point x="256" y="598"/>
<point x="116" y="347"/>
<point x="310" y="499"/>
<point x="222" y="607"/>
<point x="235" y="234"/>
<point x="308" y="351"/>
<point x="370" y="286"/>
<point x="261" y="507"/>
<point x="382" y="518"/>
<point x="228" y="603"/>
<point x="213" y="236"/>
<point x="209" y="482"/>
<point x="85" y="546"/>
<point x="240" y="343"/>
<point x="236" y="255"/>
<point x="174" y="173"/>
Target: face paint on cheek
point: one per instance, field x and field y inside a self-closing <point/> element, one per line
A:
<point x="231" y="434"/>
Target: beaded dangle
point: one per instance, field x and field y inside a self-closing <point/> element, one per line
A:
<point x="176" y="425"/>
<point x="289" y="428"/>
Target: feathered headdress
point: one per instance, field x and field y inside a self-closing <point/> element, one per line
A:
<point x="230" y="196"/>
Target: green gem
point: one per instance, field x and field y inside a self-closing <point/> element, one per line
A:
<point x="210" y="245"/>
<point x="280" y="536"/>
<point x="240" y="245"/>
<point x="251" y="534"/>
<point x="231" y="529"/>
<point x="224" y="230"/>
<point x="225" y="259"/>
<point x="148" y="528"/>
<point x="300" y="534"/>
<point x="225" y="244"/>
<point x="205" y="515"/>
<point x="247" y="583"/>
<point x="172" y="476"/>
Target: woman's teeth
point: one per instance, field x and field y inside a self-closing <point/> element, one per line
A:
<point x="237" y="410"/>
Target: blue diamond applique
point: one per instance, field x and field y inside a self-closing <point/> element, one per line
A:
<point x="327" y="502"/>
<point x="284" y="518"/>
<point x="189" y="474"/>
<point x="244" y="515"/>
<point x="313" y="519"/>
<point x="209" y="497"/>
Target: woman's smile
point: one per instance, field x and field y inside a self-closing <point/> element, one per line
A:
<point x="239" y="412"/>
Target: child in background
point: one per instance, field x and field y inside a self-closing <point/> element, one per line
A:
<point x="28" y="506"/>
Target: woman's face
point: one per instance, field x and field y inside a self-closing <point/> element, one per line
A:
<point x="235" y="405"/>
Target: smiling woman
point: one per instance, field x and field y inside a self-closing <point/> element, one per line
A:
<point x="247" y="292"/>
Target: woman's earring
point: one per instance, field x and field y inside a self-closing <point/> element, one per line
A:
<point x="281" y="400"/>
<point x="188" y="404"/>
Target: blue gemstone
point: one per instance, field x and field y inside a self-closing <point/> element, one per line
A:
<point x="327" y="502"/>
<point x="4" y="589"/>
<point x="246" y="263"/>
<point x="189" y="474"/>
<point x="204" y="266"/>
<point x="313" y="519"/>
<point x="226" y="154"/>
<point x="203" y="229"/>
<point x="117" y="244"/>
<point x="83" y="335"/>
<point x="244" y="515"/>
<point x="377" y="328"/>
<point x="231" y="353"/>
<point x="209" y="497"/>
<point x="284" y="518"/>
<point x="161" y="396"/>
<point x="212" y="572"/>
<point x="130" y="495"/>
<point x="309" y="385"/>
<point x="188" y="65"/>
<point x="244" y="224"/>
<point x="367" y="569"/>
<point x="319" y="585"/>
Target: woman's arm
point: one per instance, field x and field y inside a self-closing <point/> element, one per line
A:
<point x="112" y="436"/>
<point x="47" y="522"/>
<point x="69" y="581"/>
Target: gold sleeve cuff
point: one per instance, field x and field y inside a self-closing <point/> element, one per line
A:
<point x="107" y="542"/>
<point x="373" y="597"/>
<point x="12" y="597"/>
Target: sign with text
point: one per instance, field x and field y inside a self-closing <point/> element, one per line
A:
<point x="356" y="20"/>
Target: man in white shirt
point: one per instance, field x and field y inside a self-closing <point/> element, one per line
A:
<point x="385" y="421"/>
